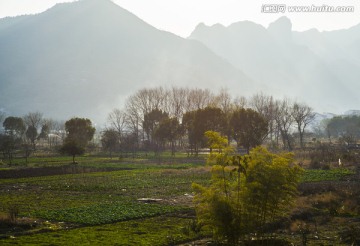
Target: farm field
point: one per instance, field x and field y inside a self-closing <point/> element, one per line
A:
<point x="148" y="201"/>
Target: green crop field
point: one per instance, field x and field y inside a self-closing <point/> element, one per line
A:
<point x="98" y="200"/>
<point x="65" y="207"/>
<point x="326" y="175"/>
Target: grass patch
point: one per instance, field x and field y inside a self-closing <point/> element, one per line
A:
<point x="103" y="213"/>
<point x="104" y="197"/>
<point x="152" y="231"/>
<point x="104" y="200"/>
<point x="315" y="175"/>
<point x="62" y="192"/>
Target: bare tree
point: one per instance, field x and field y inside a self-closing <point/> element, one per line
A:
<point x="260" y="103"/>
<point x="303" y="115"/>
<point x="118" y="121"/>
<point x="33" y="119"/>
<point x="139" y="103"/>
<point x="160" y="97"/>
<point x="284" y="121"/>
<point x="146" y="100"/>
<point x="136" y="108"/>
<point x="33" y="122"/>
<point x="223" y="101"/>
<point x="177" y="101"/>
<point x="198" y="99"/>
<point x="265" y="106"/>
<point x="135" y="116"/>
<point x="240" y="102"/>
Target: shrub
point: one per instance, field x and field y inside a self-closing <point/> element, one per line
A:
<point x="246" y="193"/>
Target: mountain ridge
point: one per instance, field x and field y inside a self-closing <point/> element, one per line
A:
<point x="308" y="66"/>
<point x="84" y="58"/>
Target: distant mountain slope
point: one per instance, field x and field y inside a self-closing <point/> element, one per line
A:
<point x="321" y="69"/>
<point x="83" y="58"/>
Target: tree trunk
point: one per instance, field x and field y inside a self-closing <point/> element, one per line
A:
<point x="172" y="148"/>
<point x="288" y="142"/>
<point x="10" y="158"/>
<point x="301" y="133"/>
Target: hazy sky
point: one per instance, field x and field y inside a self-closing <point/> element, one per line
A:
<point x="181" y="16"/>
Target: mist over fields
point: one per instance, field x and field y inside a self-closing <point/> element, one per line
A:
<point x="84" y="58"/>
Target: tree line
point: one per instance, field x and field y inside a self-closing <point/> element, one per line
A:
<point x="346" y="129"/>
<point x="22" y="133"/>
<point x="178" y="117"/>
<point x="173" y="118"/>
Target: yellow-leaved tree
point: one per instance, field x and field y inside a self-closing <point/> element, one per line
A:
<point x="245" y="192"/>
